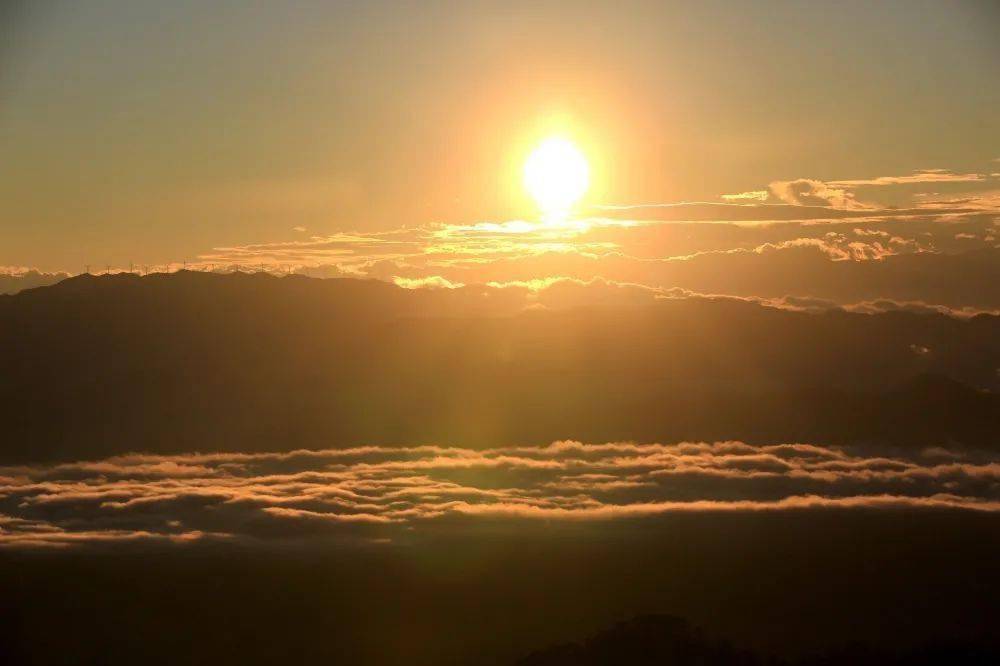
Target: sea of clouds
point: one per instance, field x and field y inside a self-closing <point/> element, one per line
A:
<point x="377" y="494"/>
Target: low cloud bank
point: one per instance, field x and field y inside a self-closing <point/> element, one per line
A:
<point x="14" y="279"/>
<point x="379" y="494"/>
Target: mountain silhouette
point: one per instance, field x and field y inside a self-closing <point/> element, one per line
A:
<point x="665" y="640"/>
<point x="94" y="366"/>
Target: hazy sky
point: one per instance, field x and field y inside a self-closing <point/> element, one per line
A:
<point x="154" y="131"/>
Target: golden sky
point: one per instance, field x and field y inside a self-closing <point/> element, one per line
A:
<point x="156" y="133"/>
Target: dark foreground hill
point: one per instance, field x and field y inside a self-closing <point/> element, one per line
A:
<point x="167" y="363"/>
<point x="788" y="584"/>
<point x="664" y="640"/>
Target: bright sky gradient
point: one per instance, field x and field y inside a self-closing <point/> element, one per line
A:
<point x="155" y="131"/>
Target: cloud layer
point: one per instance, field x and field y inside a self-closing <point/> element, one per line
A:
<point x="18" y="278"/>
<point x="380" y="494"/>
<point x="832" y="237"/>
<point x="840" y="241"/>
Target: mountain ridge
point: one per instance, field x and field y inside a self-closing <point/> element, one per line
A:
<point x="101" y="365"/>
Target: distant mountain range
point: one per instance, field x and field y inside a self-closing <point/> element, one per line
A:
<point x="11" y="283"/>
<point x="94" y="366"/>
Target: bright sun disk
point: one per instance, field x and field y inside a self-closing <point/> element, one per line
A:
<point x="556" y="175"/>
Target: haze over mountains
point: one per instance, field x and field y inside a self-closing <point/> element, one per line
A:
<point x="12" y="281"/>
<point x="193" y="361"/>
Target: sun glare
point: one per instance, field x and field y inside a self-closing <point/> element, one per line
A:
<point x="556" y="175"/>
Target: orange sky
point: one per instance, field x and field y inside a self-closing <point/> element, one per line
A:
<point x="153" y="133"/>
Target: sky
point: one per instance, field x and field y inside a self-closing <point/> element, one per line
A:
<point x="157" y="133"/>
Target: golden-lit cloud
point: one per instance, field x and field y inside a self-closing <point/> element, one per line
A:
<point x="808" y="192"/>
<point x="430" y="282"/>
<point x="746" y="247"/>
<point x="380" y="490"/>
<point x="753" y="195"/>
<point x="920" y="176"/>
<point x="840" y="194"/>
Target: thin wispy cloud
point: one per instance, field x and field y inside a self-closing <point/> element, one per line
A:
<point x="753" y="195"/>
<point x="919" y="176"/>
<point x="796" y="227"/>
<point x="840" y="194"/>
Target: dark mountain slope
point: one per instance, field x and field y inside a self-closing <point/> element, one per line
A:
<point x="190" y="361"/>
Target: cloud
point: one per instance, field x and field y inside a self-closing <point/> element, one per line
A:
<point x="429" y="282"/>
<point x="920" y="176"/>
<point x="612" y="229"/>
<point x="18" y="278"/>
<point x="754" y="195"/>
<point x="375" y="492"/>
<point x="807" y="192"/>
<point x="834" y="246"/>
<point x="839" y="194"/>
<point x="988" y="200"/>
<point x="746" y="247"/>
<point x="654" y="232"/>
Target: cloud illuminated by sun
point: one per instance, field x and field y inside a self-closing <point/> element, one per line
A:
<point x="556" y="175"/>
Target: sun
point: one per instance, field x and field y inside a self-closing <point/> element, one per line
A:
<point x="556" y="175"/>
